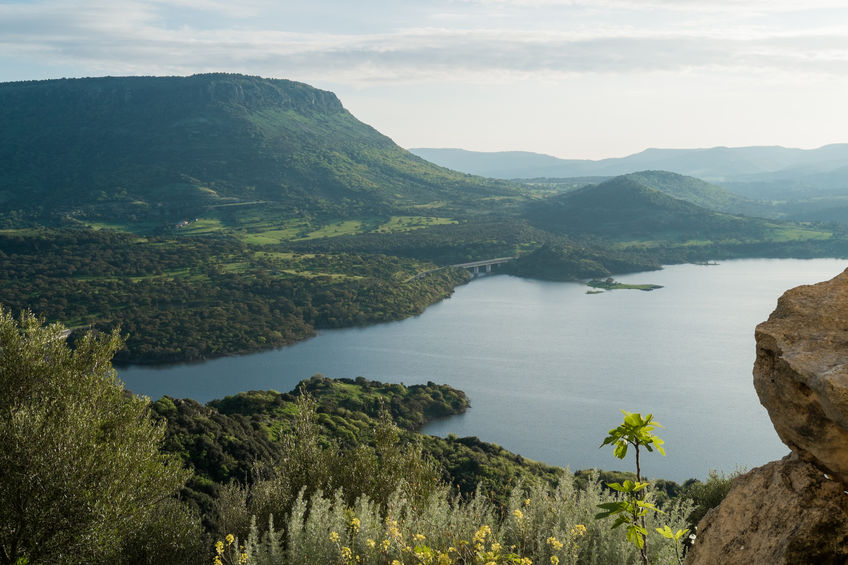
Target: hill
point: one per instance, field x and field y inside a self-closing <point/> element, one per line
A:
<point x="702" y="193"/>
<point x="156" y="150"/>
<point x="802" y="184"/>
<point x="627" y="208"/>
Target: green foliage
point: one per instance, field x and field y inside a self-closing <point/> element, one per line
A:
<point x="636" y="431"/>
<point x="538" y="523"/>
<point x="634" y="505"/>
<point x="309" y="464"/>
<point x="629" y="511"/>
<point x="675" y="537"/>
<point x="560" y="261"/>
<point x="707" y="495"/>
<point x="80" y="470"/>
<point x="253" y="452"/>
<point x="195" y="298"/>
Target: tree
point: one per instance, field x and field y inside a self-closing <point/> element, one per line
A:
<point x="80" y="467"/>
<point x="632" y="508"/>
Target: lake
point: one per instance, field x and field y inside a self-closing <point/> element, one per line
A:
<point x="548" y="368"/>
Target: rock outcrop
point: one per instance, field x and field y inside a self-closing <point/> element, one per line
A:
<point x="784" y="512"/>
<point x="794" y="511"/>
<point x="801" y="372"/>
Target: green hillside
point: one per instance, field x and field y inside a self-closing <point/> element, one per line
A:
<point x="702" y="193"/>
<point x="150" y="152"/>
<point x="629" y="214"/>
<point x="624" y="208"/>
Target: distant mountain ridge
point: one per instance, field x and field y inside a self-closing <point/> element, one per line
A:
<point x="756" y="172"/>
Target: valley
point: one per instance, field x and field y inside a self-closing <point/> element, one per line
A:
<point x="221" y="214"/>
<point x="210" y="225"/>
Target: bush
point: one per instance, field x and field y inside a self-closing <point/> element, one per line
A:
<point x="80" y="467"/>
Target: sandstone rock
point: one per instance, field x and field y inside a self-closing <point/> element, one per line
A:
<point x="801" y="372"/>
<point x="783" y="513"/>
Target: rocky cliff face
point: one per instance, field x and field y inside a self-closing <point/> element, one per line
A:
<point x="794" y="511"/>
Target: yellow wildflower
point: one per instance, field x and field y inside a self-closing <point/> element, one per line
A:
<point x="217" y="560"/>
<point x="334" y="537"/>
<point x="230" y="539"/>
<point x="219" y="547"/>
<point x="396" y="562"/>
<point x="354" y="524"/>
<point x="554" y="543"/>
<point x="384" y="545"/>
<point x="419" y="537"/>
<point x="578" y="530"/>
<point x="347" y="553"/>
<point x="480" y="535"/>
<point x="444" y="559"/>
<point x="519" y="515"/>
<point x="243" y="558"/>
<point x="370" y="543"/>
<point x="496" y="547"/>
<point x="526" y="561"/>
<point x="554" y="560"/>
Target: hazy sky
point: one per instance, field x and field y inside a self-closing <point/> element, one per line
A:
<point x="571" y="78"/>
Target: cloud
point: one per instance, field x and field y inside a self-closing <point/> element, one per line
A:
<point x="127" y="36"/>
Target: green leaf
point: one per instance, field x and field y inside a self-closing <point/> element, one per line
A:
<point x="649" y="506"/>
<point x="634" y="537"/>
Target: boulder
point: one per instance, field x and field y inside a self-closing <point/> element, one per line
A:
<point x="786" y="512"/>
<point x="801" y="372"/>
<point x="793" y="511"/>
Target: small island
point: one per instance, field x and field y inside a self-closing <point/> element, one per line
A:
<point x="612" y="284"/>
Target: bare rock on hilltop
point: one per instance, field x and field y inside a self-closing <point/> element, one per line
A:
<point x="801" y="372"/>
<point x="783" y="513"/>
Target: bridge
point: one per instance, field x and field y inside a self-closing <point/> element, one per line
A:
<point x="473" y="266"/>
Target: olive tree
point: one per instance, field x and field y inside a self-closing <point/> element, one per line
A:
<point x="80" y="466"/>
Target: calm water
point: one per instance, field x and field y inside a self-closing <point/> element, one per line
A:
<point x="548" y="368"/>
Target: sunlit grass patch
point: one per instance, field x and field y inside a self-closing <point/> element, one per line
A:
<point x="321" y="275"/>
<point x="202" y="226"/>
<point x="334" y="229"/>
<point x="433" y="204"/>
<point x="137" y="228"/>
<point x="268" y="237"/>
<point x="409" y="223"/>
<point x="797" y="233"/>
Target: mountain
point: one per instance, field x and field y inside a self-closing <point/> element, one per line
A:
<point x="160" y="149"/>
<point x="503" y="164"/>
<point x="627" y="208"/>
<point x="717" y="164"/>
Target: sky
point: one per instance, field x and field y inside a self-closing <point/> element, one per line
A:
<point x="583" y="79"/>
